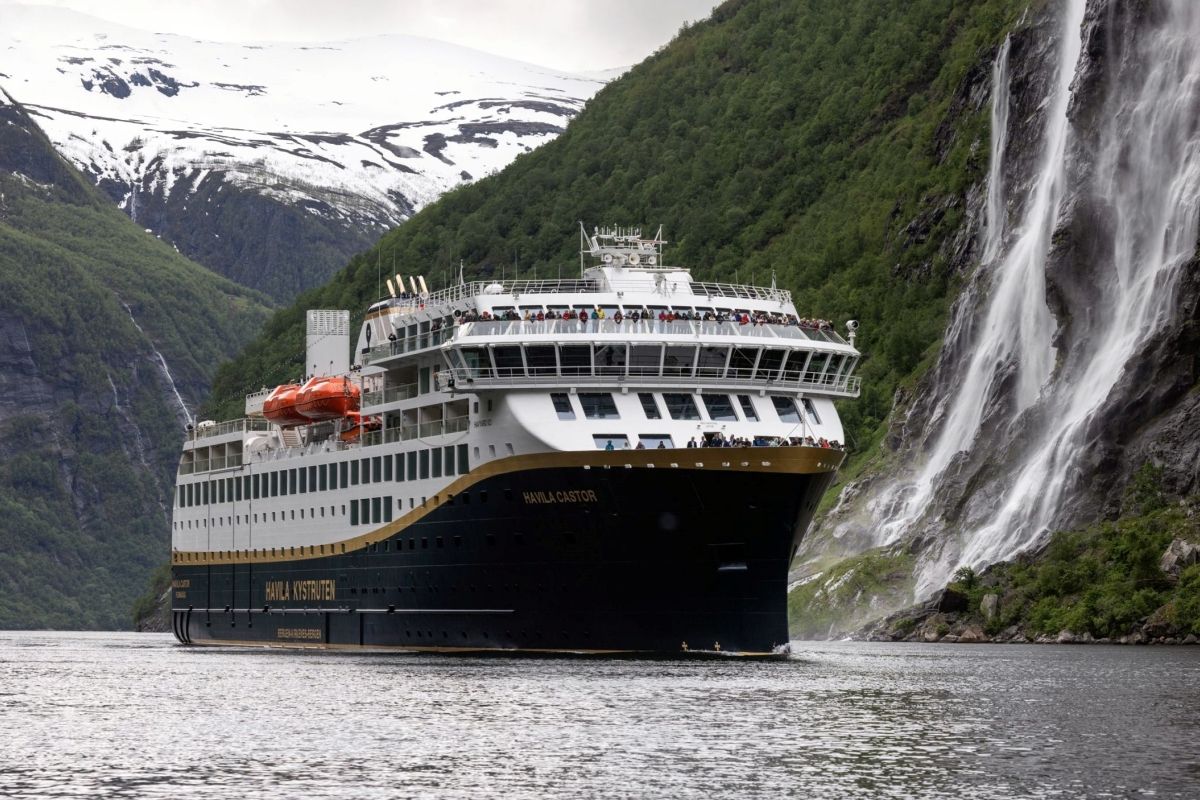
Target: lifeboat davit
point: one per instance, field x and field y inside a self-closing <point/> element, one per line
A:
<point x="359" y="425"/>
<point x="327" y="398"/>
<point x="280" y="407"/>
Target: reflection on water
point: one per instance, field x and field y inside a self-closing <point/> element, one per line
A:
<point x="127" y="715"/>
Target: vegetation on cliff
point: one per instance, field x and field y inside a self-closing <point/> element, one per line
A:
<point x="1136" y="578"/>
<point x="831" y="144"/>
<point x="89" y="422"/>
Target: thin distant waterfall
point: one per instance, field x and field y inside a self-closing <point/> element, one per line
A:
<point x="166" y="371"/>
<point x="1005" y="391"/>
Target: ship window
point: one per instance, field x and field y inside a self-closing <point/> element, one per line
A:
<point x="204" y="490"/>
<point x="303" y="480"/>
<point x="366" y="470"/>
<point x="354" y="513"/>
<point x="424" y="543"/>
<point x="712" y="361"/>
<point x="508" y="361"/>
<point x="649" y="406"/>
<point x="816" y="367"/>
<point x="423" y="458"/>
<point x="768" y="365"/>
<point x="412" y="465"/>
<point x="678" y="360"/>
<point x="618" y="441"/>
<point x="237" y="490"/>
<point x="376" y="468"/>
<point x="312" y="479"/>
<point x="291" y="481"/>
<point x="364" y="510"/>
<point x="423" y="380"/>
<point x="576" y="359"/>
<point x="245" y="488"/>
<point x="811" y="410"/>
<point x="354" y="473"/>
<point x="387" y="468"/>
<point x="741" y="363"/>
<point x="540" y="360"/>
<point x="719" y="408"/>
<point x="399" y="466"/>
<point x="376" y="509"/>
<point x="464" y="498"/>
<point x="786" y="408"/>
<point x="598" y="405"/>
<point x="748" y="407"/>
<point x="449" y="461"/>
<point x="610" y="359"/>
<point x="644" y="359"/>
<point x="681" y="406"/>
<point x="274" y="484"/>
<point x="343" y="473"/>
<point x="188" y="500"/>
<point x="463" y="466"/>
<point x="656" y="441"/>
<point x="562" y="405"/>
<point x="491" y="451"/>
<point x="437" y="462"/>
<point x="387" y="509"/>
<point x="323" y="476"/>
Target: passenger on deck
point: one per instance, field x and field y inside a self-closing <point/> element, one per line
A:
<point x="609" y="446"/>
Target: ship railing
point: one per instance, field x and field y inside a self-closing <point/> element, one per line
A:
<point x="465" y="380"/>
<point x="694" y="328"/>
<point x="210" y="464"/>
<point x="742" y="290"/>
<point x="710" y="289"/>
<point x="408" y="344"/>
<point x="439" y="427"/>
<point x="242" y="425"/>
<point x="390" y="395"/>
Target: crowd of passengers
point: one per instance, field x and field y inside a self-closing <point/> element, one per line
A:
<point x="721" y="440"/>
<point x="646" y="315"/>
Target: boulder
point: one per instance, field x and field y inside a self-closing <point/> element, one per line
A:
<point x="972" y="634"/>
<point x="1179" y="555"/>
<point x="1190" y="639"/>
<point x="950" y="600"/>
<point x="990" y="606"/>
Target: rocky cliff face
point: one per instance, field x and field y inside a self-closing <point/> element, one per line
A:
<point x="108" y="339"/>
<point x="1072" y="354"/>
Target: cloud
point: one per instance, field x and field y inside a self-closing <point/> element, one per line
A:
<point x="579" y="35"/>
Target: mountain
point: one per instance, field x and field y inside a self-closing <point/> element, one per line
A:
<point x="1070" y="366"/>
<point x="271" y="163"/>
<point x="108" y="340"/>
<point x="1002" y="193"/>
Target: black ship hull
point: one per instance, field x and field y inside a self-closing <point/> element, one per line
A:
<point x="634" y="552"/>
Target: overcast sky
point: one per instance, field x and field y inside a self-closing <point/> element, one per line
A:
<point x="576" y="35"/>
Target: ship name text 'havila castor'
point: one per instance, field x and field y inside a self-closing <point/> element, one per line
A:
<point x="623" y="462"/>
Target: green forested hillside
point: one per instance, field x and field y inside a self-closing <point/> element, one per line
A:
<point x="90" y="427"/>
<point x="831" y="143"/>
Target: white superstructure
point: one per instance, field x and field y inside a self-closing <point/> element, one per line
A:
<point x="458" y="378"/>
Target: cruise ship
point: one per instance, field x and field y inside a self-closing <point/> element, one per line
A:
<point x="623" y="462"/>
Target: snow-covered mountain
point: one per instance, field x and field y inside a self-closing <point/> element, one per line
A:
<point x="273" y="162"/>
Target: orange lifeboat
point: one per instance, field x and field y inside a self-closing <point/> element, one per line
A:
<point x="327" y="398"/>
<point x="359" y="425"/>
<point x="280" y="407"/>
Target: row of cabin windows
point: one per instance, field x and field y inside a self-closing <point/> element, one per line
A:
<point x="654" y="360"/>
<point x="435" y="462"/>
<point x="363" y="511"/>
<point x="720" y="408"/>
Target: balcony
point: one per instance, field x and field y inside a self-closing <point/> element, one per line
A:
<point x="703" y="378"/>
<point x="689" y="328"/>
<point x="391" y="394"/>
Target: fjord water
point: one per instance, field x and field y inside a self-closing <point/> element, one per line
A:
<point x="134" y="715"/>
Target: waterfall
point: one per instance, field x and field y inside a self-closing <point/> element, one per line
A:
<point x="1017" y="411"/>
<point x="162" y="365"/>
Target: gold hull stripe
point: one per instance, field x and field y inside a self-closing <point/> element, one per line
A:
<point x="775" y="460"/>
